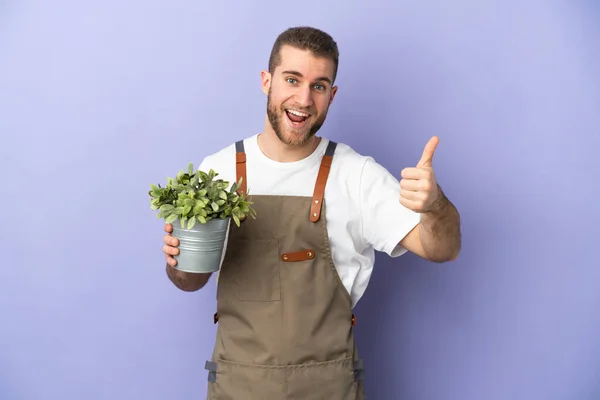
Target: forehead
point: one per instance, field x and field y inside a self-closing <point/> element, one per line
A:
<point x="304" y="62"/>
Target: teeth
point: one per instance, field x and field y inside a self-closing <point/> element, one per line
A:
<point x="298" y="113"/>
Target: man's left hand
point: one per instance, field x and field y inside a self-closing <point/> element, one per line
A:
<point x="418" y="188"/>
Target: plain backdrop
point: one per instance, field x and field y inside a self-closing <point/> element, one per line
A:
<point x="99" y="99"/>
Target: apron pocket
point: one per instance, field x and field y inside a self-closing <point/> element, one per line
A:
<point x="236" y="381"/>
<point x="331" y="380"/>
<point x="252" y="266"/>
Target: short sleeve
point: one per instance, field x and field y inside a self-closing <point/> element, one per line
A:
<point x="385" y="220"/>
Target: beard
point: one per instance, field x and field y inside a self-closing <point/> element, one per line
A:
<point x="292" y="137"/>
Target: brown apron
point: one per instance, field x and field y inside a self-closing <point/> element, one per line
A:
<point x="285" y="319"/>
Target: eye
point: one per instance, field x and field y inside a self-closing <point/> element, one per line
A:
<point x="318" y="86"/>
<point x="291" y="81"/>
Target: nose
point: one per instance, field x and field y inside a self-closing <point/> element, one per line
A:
<point x="304" y="96"/>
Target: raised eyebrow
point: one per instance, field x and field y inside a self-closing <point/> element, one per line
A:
<point x="299" y="75"/>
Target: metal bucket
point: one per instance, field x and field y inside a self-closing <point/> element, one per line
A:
<point x="201" y="248"/>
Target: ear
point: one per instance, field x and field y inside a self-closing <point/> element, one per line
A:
<point x="265" y="78"/>
<point x="333" y="92"/>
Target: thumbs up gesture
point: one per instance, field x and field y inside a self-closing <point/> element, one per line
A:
<point x="418" y="188"/>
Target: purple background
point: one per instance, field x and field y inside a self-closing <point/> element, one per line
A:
<point x="100" y="99"/>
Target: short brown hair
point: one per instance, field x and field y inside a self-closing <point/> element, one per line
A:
<point x="319" y="43"/>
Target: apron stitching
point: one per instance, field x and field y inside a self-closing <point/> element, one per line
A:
<point x="287" y="366"/>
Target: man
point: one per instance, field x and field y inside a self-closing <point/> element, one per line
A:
<point x="291" y="277"/>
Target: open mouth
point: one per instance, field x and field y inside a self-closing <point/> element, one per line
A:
<point x="296" y="118"/>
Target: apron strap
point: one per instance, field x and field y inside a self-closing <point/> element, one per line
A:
<point x="319" y="192"/>
<point x="359" y="370"/>
<point x="211" y="367"/>
<point x="240" y="166"/>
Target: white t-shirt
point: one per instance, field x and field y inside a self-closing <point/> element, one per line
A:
<point x="363" y="211"/>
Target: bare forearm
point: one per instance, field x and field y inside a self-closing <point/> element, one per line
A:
<point x="440" y="231"/>
<point x="188" y="282"/>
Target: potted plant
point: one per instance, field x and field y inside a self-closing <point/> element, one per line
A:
<point x="200" y="208"/>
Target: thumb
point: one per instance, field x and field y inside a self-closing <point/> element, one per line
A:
<point x="427" y="157"/>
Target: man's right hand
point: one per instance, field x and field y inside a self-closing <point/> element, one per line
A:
<point x="170" y="247"/>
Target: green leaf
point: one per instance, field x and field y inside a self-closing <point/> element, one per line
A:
<point x="203" y="176"/>
<point x="223" y="195"/>
<point x="202" y="219"/>
<point x="192" y="222"/>
<point x="236" y="220"/>
<point x="184" y="179"/>
<point x="178" y="210"/>
<point x="163" y="214"/>
<point x="171" y="218"/>
<point x="191" y="168"/>
<point x="215" y="206"/>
